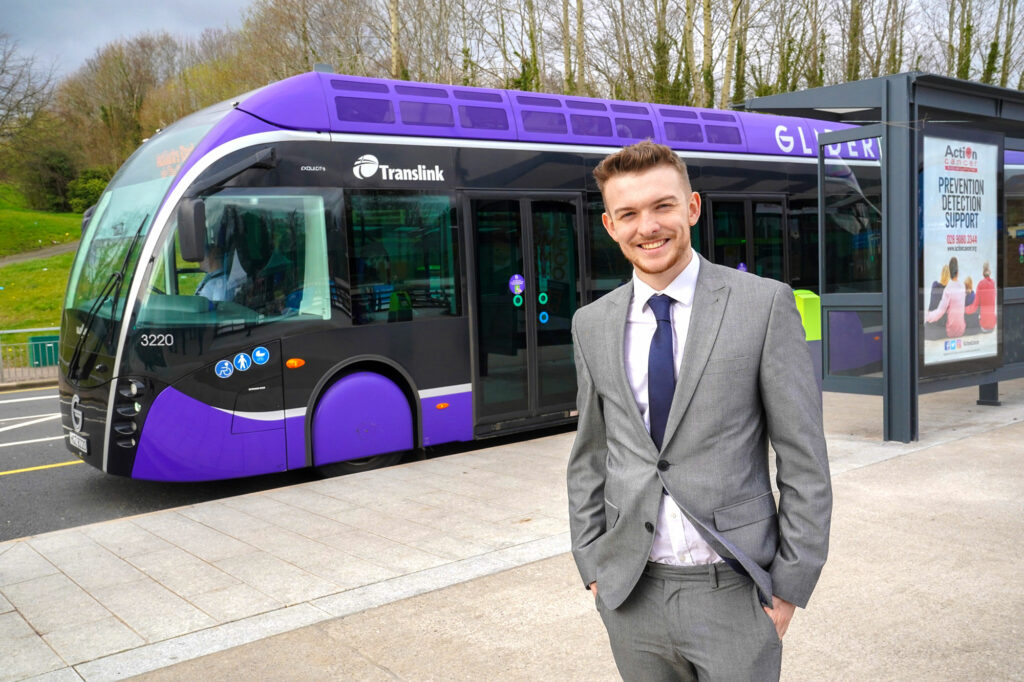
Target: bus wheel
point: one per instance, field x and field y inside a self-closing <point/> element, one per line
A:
<point x="354" y="466"/>
<point x="362" y="422"/>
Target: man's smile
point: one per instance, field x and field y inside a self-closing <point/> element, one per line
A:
<point x="649" y="246"/>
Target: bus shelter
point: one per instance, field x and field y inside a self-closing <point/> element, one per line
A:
<point x="922" y="286"/>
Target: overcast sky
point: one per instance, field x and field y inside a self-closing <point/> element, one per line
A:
<point x="67" y="32"/>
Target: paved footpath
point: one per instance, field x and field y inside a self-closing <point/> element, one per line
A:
<point x="457" y="568"/>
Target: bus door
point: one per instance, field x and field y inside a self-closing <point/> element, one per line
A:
<point x="749" y="233"/>
<point x="526" y="289"/>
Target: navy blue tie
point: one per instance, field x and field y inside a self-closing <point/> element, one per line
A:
<point x="661" y="374"/>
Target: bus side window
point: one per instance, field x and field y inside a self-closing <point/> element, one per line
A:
<point x="403" y="256"/>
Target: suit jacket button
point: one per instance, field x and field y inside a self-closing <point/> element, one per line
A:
<point x="663" y="465"/>
<point x="649" y="526"/>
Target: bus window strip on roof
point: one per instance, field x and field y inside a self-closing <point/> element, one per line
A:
<point x="379" y="106"/>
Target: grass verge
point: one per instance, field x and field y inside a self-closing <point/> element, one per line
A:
<point x="22" y="229"/>
<point x="32" y="293"/>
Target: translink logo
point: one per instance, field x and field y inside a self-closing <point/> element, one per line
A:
<point x="367" y="165"/>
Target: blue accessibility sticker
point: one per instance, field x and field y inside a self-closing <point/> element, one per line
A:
<point x="260" y="355"/>
<point x="243" y="362"/>
<point x="224" y="369"/>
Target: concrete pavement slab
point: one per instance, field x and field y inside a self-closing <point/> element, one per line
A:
<point x="78" y="644"/>
<point x="152" y="610"/>
<point x="91" y="566"/>
<point x="277" y="578"/>
<point x="125" y="539"/>
<point x="20" y="562"/>
<point x="54" y="602"/>
<point x="61" y="675"/>
<point x="23" y="652"/>
<point x="183" y="573"/>
<point x="195" y="538"/>
<point x="188" y="647"/>
<point x="235" y="602"/>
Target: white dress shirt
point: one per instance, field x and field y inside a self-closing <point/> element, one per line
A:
<point x="676" y="541"/>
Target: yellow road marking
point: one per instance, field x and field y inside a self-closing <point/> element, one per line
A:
<point x="45" y="466"/>
<point x="25" y="390"/>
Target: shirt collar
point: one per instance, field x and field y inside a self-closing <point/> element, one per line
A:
<point x="681" y="289"/>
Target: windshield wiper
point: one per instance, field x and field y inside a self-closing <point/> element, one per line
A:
<point x="111" y="286"/>
<point x="120" y="278"/>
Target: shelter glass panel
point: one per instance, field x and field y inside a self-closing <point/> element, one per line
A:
<point x="1013" y="182"/>
<point x="855" y="343"/>
<point x="853" y="226"/>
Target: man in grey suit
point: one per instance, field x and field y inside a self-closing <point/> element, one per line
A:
<point x="685" y="374"/>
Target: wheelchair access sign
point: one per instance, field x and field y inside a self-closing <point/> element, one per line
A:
<point x="224" y="369"/>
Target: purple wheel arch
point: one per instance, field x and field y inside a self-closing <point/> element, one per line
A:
<point x="361" y="415"/>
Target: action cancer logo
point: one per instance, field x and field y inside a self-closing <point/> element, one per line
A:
<point x="962" y="158"/>
<point x="366" y="166"/>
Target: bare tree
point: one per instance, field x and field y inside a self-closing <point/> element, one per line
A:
<point x="24" y="87"/>
<point x="395" y="39"/>
<point x="855" y="30"/>
<point x="1009" y="41"/>
<point x="966" y="39"/>
<point x="814" y="69"/>
<point x="580" y="84"/>
<point x="739" y="91"/>
<point x="661" y="53"/>
<point x="734" y="39"/>
<point x="707" y="76"/>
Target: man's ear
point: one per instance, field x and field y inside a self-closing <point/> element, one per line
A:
<point x="609" y="226"/>
<point x="694" y="208"/>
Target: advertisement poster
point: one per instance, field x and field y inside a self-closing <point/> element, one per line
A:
<point x="960" y="213"/>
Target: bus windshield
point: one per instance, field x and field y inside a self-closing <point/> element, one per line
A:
<point x="123" y="216"/>
<point x="265" y="261"/>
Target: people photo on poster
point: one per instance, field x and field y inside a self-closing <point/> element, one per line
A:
<point x="961" y="249"/>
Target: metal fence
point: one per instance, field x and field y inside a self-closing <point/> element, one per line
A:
<point x="29" y="354"/>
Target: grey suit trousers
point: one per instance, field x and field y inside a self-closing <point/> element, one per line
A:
<point x="693" y="623"/>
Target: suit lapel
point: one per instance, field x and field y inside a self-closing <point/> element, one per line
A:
<point x="709" y="301"/>
<point x="623" y="296"/>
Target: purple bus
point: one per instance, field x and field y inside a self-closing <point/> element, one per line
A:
<point x="340" y="270"/>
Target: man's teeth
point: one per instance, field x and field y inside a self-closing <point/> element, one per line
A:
<point x="652" y="245"/>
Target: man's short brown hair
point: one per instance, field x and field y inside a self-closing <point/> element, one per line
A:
<point x="638" y="158"/>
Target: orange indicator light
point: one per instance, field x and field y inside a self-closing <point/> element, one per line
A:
<point x="294" y="363"/>
<point x="441" y="406"/>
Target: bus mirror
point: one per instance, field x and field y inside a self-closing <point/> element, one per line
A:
<point x="192" y="229"/>
<point x="86" y="217"/>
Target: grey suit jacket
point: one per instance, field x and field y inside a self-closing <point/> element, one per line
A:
<point x="746" y="377"/>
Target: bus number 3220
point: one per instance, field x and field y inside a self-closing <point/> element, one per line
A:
<point x="157" y="340"/>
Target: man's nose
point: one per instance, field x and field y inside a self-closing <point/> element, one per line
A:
<point x="649" y="223"/>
